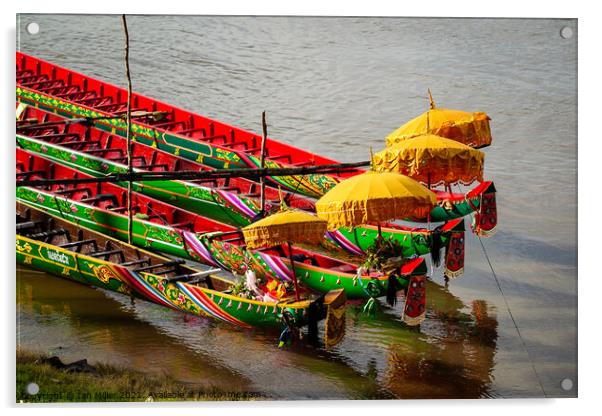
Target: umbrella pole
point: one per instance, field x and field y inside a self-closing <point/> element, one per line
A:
<point x="380" y="234"/>
<point x="290" y="256"/>
<point x="262" y="160"/>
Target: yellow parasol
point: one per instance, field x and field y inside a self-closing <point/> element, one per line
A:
<point x="471" y="129"/>
<point x="374" y="197"/>
<point x="432" y="160"/>
<point x="283" y="227"/>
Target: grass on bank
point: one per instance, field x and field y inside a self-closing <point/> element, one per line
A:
<point x="108" y="384"/>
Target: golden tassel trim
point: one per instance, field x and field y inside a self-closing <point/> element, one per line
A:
<point x="453" y="275"/>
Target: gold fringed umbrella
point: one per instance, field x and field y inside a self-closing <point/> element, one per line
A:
<point x="283" y="227"/>
<point x="374" y="197"/>
<point x="471" y="129"/>
<point x="377" y="197"/>
<point x="432" y="160"/>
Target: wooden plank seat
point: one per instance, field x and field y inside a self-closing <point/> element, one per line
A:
<point x="108" y="253"/>
<point x="31" y="173"/>
<point x="47" y="235"/>
<point x="198" y="276"/>
<point x="27" y="121"/>
<point x="73" y="191"/>
<point x="234" y="144"/>
<point x="169" y="124"/>
<point x="111" y="106"/>
<point x="92" y="101"/>
<point x="28" y="225"/>
<point x="106" y="151"/>
<point x="163" y="166"/>
<point x="56" y="137"/>
<point x="30" y="78"/>
<point x="50" y="90"/>
<point x="38" y="83"/>
<point x="119" y="209"/>
<point x="77" y="245"/>
<point x="124" y="159"/>
<point x="75" y="95"/>
<point x="189" y="132"/>
<point x="23" y="73"/>
<point x="100" y="198"/>
<point x="166" y="265"/>
<point x="211" y="182"/>
<point x="213" y="138"/>
<point x="39" y="130"/>
<point x="230" y="189"/>
<point x="145" y="260"/>
<point x="80" y="142"/>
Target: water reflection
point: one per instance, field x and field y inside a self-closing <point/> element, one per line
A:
<point x="448" y="356"/>
<point x="59" y="317"/>
<point x="459" y="365"/>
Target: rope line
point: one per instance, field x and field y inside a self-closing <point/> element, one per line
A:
<point x="512" y="317"/>
<point x="520" y="336"/>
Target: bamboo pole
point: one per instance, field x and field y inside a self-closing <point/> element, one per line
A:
<point x="249" y="173"/>
<point x="89" y="121"/>
<point x="129" y="125"/>
<point x="264" y="137"/>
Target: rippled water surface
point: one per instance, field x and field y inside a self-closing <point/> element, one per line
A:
<point x="337" y="86"/>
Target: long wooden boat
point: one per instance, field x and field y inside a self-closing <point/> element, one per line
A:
<point x="230" y="200"/>
<point x="159" y="226"/>
<point x="56" y="246"/>
<point x="220" y="204"/>
<point x="195" y="137"/>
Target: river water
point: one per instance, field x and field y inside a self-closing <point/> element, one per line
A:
<point x="336" y="86"/>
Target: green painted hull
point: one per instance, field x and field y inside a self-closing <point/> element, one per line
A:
<point x="313" y="185"/>
<point x="358" y="240"/>
<point x="460" y="209"/>
<point x="319" y="279"/>
<point x="245" y="313"/>
<point x="223" y="207"/>
<point x="199" y="247"/>
<point x="203" y="153"/>
<point x="145" y="234"/>
<point x="64" y="263"/>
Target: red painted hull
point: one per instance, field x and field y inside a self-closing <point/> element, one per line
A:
<point x="55" y="80"/>
<point x="96" y="142"/>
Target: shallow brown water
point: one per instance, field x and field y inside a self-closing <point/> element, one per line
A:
<point x="378" y="358"/>
<point x="336" y="86"/>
